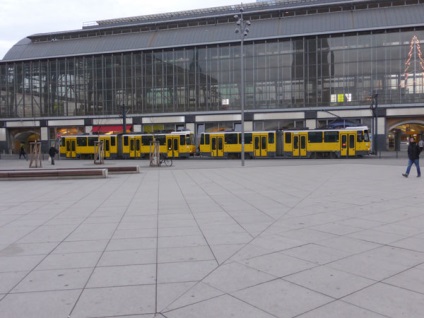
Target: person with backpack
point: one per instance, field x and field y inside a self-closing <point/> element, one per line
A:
<point x="413" y="157"/>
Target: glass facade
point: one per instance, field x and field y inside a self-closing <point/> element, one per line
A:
<point x="320" y="71"/>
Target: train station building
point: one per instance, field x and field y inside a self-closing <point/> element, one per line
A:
<point x="291" y="64"/>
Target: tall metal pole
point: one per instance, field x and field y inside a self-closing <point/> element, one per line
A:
<point x="124" y="119"/>
<point x="243" y="30"/>
<point x="374" y="106"/>
<point x="376" y="122"/>
<point x="242" y="92"/>
<point x="124" y="130"/>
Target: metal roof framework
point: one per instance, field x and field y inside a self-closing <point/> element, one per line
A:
<point x="379" y="18"/>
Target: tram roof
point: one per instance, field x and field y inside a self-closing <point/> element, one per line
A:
<point x="217" y="25"/>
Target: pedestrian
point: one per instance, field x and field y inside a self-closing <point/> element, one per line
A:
<point x="52" y="152"/>
<point x="413" y="157"/>
<point x="22" y="153"/>
<point x="421" y="143"/>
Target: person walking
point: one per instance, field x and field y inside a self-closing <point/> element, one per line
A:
<point x="52" y="152"/>
<point x="22" y="153"/>
<point x="413" y="157"/>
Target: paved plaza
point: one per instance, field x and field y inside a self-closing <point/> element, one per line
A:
<point x="212" y="239"/>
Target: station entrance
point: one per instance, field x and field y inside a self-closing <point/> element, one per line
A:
<point x="400" y="131"/>
<point x="22" y="137"/>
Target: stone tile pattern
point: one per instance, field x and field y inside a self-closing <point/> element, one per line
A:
<point x="206" y="239"/>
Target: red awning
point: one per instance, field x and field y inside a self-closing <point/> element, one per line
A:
<point x="109" y="129"/>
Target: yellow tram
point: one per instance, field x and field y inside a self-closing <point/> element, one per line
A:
<point x="304" y="143"/>
<point x="178" y="144"/>
<point x="83" y="146"/>
<point x="326" y="143"/>
<point x="257" y="144"/>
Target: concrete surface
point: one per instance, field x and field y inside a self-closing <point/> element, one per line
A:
<point x="211" y="239"/>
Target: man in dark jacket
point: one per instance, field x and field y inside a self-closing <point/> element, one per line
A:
<point x="414" y="157"/>
<point x="52" y="152"/>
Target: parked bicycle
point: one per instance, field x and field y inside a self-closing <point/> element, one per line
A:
<point x="164" y="159"/>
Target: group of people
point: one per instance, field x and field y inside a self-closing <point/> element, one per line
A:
<point x="52" y="153"/>
<point x="414" y="151"/>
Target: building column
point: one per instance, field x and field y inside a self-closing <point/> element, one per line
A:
<point x="311" y="123"/>
<point x="44" y="136"/>
<point x="3" y="141"/>
<point x="381" y="134"/>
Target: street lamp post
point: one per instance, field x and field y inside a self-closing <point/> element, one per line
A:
<point x="243" y="30"/>
<point x="124" y="130"/>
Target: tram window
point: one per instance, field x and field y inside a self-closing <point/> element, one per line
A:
<point x="302" y="142"/>
<point x="344" y="139"/>
<point x="82" y="141"/>
<point x="248" y="138"/>
<point x="113" y="141"/>
<point x="145" y="140"/>
<point x="205" y="139"/>
<point x="182" y="140"/>
<point x="315" y="136"/>
<point x="271" y="138"/>
<point x="296" y="142"/>
<point x="287" y="138"/>
<point x="351" y="141"/>
<point x="91" y="140"/>
<point x="366" y="136"/>
<point x="161" y="139"/>
<point x="331" y="136"/>
<point x="231" y="139"/>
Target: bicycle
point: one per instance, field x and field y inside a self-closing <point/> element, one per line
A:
<point x="164" y="159"/>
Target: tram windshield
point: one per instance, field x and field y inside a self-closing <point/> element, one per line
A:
<point x="363" y="135"/>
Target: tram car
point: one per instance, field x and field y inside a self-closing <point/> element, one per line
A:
<point x="317" y="143"/>
<point x="326" y="143"/>
<point x="178" y="144"/>
<point x="257" y="144"/>
<point x="83" y="146"/>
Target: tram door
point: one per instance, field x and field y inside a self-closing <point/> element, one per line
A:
<point x="172" y="144"/>
<point x="135" y="147"/>
<point x="70" y="148"/>
<point x="261" y="146"/>
<point x="217" y="149"/>
<point x="106" y="149"/>
<point x="348" y="145"/>
<point x="299" y="145"/>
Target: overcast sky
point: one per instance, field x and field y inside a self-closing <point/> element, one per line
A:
<point x="20" y="18"/>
